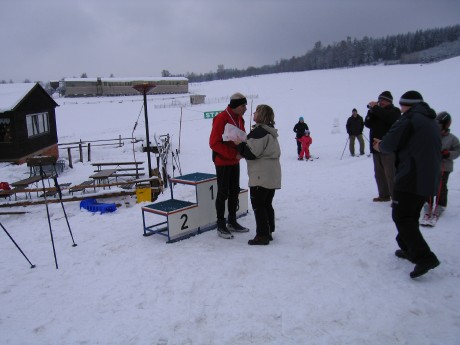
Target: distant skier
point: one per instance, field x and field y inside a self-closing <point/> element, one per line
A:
<point x="305" y="140"/>
<point x="450" y="150"/>
<point x="299" y="129"/>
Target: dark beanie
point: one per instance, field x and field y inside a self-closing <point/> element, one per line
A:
<point x="411" y="98"/>
<point x="386" y="95"/>
<point x="236" y="100"/>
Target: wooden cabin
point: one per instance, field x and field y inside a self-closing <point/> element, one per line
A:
<point x="27" y="123"/>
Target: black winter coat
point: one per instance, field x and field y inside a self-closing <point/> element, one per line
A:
<point x="416" y="141"/>
<point x="300" y="129"/>
<point x="355" y="125"/>
<point x="379" y="120"/>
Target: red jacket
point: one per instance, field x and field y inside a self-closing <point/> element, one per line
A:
<point x="224" y="152"/>
<point x="305" y="140"/>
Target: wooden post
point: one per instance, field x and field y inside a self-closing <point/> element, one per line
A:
<point x="89" y="152"/>
<point x="70" y="157"/>
<point x="119" y="141"/>
<point x="80" y="149"/>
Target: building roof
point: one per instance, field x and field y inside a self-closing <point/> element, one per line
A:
<point x="12" y="94"/>
<point x="126" y="79"/>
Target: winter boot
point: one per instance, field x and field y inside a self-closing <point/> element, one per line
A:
<point x="222" y="230"/>
<point x="259" y="241"/>
<point x="233" y="226"/>
<point x="422" y="268"/>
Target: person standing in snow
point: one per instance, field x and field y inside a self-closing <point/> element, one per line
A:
<point x="262" y="152"/>
<point x="299" y="129"/>
<point x="305" y="141"/>
<point x="379" y="119"/>
<point x="227" y="162"/>
<point x="416" y="140"/>
<point x="450" y="150"/>
<point x="355" y="126"/>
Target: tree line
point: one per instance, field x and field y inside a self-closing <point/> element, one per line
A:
<point x="401" y="48"/>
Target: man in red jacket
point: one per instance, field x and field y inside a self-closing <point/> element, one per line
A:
<point x="227" y="161"/>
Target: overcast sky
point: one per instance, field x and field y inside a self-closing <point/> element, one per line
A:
<point x="50" y="39"/>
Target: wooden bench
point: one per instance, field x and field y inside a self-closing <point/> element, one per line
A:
<point x="53" y="191"/>
<point x="82" y="187"/>
<point x="15" y="191"/>
<point x="122" y="168"/>
<point x="28" y="181"/>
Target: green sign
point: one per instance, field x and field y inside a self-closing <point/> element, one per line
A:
<point x="211" y="114"/>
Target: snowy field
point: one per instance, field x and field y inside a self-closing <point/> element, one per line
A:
<point x="329" y="277"/>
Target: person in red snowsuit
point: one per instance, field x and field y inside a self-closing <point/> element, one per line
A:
<point x="305" y="141"/>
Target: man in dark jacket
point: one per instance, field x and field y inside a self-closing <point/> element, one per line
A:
<point x="416" y="140"/>
<point x="299" y="129"/>
<point x="379" y="119"/>
<point x="355" y="126"/>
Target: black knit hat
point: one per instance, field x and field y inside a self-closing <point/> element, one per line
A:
<point x="387" y="96"/>
<point x="236" y="100"/>
<point x="410" y="98"/>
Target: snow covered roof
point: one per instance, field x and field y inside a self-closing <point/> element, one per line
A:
<point x="125" y="79"/>
<point x="12" y="94"/>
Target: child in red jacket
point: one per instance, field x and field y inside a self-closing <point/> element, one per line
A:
<point x="305" y="141"/>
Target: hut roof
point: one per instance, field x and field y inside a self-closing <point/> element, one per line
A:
<point x="11" y="95"/>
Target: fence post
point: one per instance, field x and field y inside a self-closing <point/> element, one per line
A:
<point x="119" y="140"/>
<point x="70" y="157"/>
<point x="80" y="149"/>
<point x="89" y="152"/>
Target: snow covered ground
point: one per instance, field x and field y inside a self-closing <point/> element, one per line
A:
<point x="329" y="276"/>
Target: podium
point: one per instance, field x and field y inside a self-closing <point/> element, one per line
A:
<point x="182" y="219"/>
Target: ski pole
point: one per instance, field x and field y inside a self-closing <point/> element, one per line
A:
<point x="180" y="126"/>
<point x="58" y="188"/>
<point x="178" y="161"/>
<point x="11" y="238"/>
<point x="439" y="189"/>
<point x="344" y="148"/>
<point x="42" y="174"/>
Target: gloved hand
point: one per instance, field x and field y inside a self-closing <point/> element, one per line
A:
<point x="445" y="153"/>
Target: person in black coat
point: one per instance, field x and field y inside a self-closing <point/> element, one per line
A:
<point x="355" y="126"/>
<point x="379" y="119"/>
<point x="416" y="141"/>
<point x="299" y="129"/>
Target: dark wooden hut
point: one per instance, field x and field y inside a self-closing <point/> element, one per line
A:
<point x="27" y="123"/>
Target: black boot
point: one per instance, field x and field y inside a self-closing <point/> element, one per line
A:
<point x="423" y="267"/>
<point x="259" y="241"/>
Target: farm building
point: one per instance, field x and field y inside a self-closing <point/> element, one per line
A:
<point x="84" y="87"/>
<point x="27" y="122"/>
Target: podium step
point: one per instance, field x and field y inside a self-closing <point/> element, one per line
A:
<point x="168" y="207"/>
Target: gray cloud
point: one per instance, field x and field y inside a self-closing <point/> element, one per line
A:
<point x="50" y="39"/>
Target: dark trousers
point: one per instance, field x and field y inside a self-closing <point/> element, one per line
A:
<point x="351" y="146"/>
<point x="384" y="170"/>
<point x="406" y="215"/>
<point x="228" y="188"/>
<point x="261" y="201"/>
<point x="299" y="147"/>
